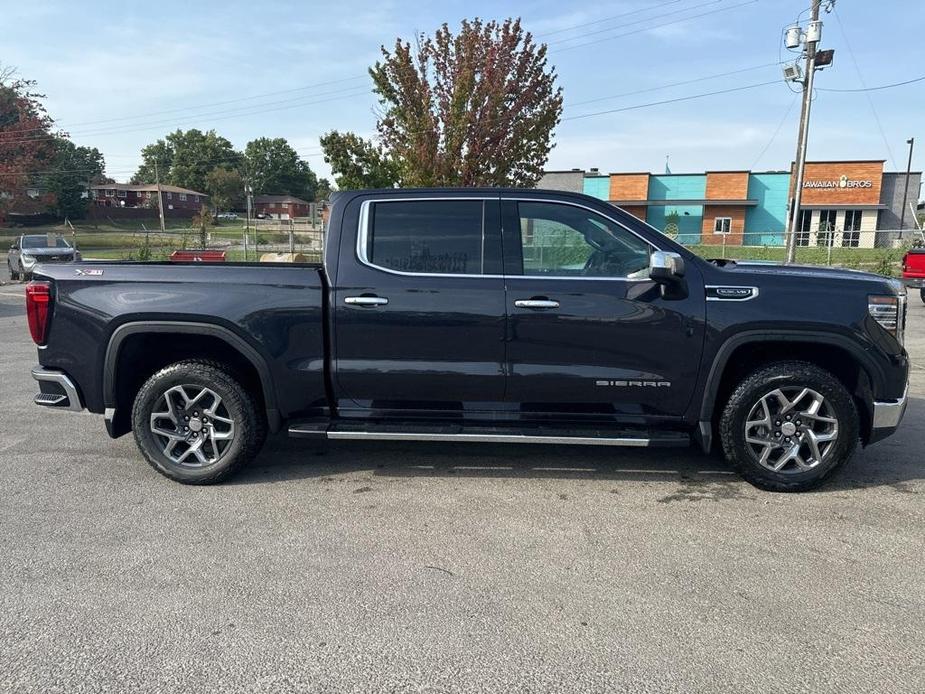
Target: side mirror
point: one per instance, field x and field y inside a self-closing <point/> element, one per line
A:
<point x="667" y="269"/>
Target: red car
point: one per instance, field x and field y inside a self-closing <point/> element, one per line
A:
<point x="914" y="270"/>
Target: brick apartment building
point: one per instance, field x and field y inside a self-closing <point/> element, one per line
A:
<point x="144" y="194"/>
<point x="281" y="206"/>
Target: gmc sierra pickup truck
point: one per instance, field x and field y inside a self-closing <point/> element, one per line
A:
<point x="512" y="316"/>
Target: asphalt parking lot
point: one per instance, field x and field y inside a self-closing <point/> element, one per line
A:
<point x="363" y="567"/>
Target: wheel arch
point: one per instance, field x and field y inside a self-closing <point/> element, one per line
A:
<point x="118" y="414"/>
<point x="746" y="351"/>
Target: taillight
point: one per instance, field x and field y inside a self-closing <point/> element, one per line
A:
<point x="38" y="310"/>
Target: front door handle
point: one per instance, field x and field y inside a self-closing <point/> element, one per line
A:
<point x="536" y="303"/>
<point x="366" y="300"/>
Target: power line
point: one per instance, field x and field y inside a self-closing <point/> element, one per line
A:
<point x="674" y="84"/>
<point x="672" y="101"/>
<point x="777" y="130"/>
<point x="637" y="21"/>
<point x="857" y="69"/>
<point x="208" y="104"/>
<point x="657" y="26"/>
<point x="196" y="118"/>
<point x="874" y="89"/>
<point x="608" y="19"/>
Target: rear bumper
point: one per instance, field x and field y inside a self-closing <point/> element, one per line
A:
<point x="56" y="390"/>
<point x="887" y="415"/>
<point x="914" y="282"/>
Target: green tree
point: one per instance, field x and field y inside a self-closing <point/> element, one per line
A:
<point x="358" y="163"/>
<point x="72" y="169"/>
<point x="473" y="108"/>
<point x="185" y="158"/>
<point x="161" y="153"/>
<point x="273" y="166"/>
<point x="225" y="188"/>
<point x="324" y="190"/>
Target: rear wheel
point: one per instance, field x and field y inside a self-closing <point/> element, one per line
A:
<point x="788" y="426"/>
<point x="195" y="423"/>
<point x="922" y="294"/>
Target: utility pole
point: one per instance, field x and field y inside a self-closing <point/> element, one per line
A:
<point x="160" y="198"/>
<point x="810" y="39"/>
<point x="247" y="195"/>
<point x="902" y="216"/>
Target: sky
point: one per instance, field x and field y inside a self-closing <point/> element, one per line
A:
<point x="120" y="75"/>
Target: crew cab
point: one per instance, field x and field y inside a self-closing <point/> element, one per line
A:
<point x="483" y="315"/>
<point x="914" y="270"/>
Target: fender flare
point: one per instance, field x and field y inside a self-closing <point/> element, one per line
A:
<point x="233" y="340"/>
<point x="711" y="385"/>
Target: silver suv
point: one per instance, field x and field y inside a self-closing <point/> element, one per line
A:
<point x="31" y="249"/>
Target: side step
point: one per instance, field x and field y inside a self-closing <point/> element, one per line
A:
<point x="458" y="434"/>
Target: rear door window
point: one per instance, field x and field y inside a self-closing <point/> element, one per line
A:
<point x="427" y="236"/>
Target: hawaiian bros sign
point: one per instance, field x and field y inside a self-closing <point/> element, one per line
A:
<point x="842" y="183"/>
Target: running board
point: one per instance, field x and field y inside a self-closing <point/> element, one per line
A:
<point x="476" y="435"/>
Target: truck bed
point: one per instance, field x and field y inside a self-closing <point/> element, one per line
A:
<point x="275" y="309"/>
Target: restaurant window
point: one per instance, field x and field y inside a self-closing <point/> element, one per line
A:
<point x="826" y="227"/>
<point x="722" y="225"/>
<point x="851" y="238"/>
<point x="802" y="231"/>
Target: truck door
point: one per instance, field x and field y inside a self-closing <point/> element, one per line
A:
<point x="589" y="332"/>
<point x="419" y="307"/>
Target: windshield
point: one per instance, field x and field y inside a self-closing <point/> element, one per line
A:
<point x="42" y="241"/>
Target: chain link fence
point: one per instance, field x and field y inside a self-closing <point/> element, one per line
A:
<point x="878" y="251"/>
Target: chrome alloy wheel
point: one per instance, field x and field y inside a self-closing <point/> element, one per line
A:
<point x="192" y="426"/>
<point x="791" y="430"/>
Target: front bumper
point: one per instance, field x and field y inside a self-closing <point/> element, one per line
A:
<point x="887" y="415"/>
<point x="56" y="390"/>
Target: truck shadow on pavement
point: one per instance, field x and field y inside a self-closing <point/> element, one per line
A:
<point x="896" y="462"/>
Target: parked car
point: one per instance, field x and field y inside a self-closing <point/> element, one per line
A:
<point x="914" y="270"/>
<point x="510" y="316"/>
<point x="227" y="215"/>
<point x="30" y="249"/>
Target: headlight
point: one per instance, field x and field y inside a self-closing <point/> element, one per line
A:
<point x="889" y="312"/>
<point x="27" y="259"/>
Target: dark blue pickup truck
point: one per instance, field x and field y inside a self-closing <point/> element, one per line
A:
<point x="515" y="316"/>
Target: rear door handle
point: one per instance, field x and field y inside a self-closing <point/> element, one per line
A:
<point x="366" y="300"/>
<point x="536" y="303"/>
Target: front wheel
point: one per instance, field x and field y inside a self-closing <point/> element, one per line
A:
<point x="922" y="294"/>
<point x="13" y="274"/>
<point x="195" y="423"/>
<point x="789" y="425"/>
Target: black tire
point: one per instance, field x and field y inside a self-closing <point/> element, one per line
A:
<point x="13" y="274"/>
<point x="249" y="425"/>
<point x="922" y="294"/>
<point x="791" y="377"/>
